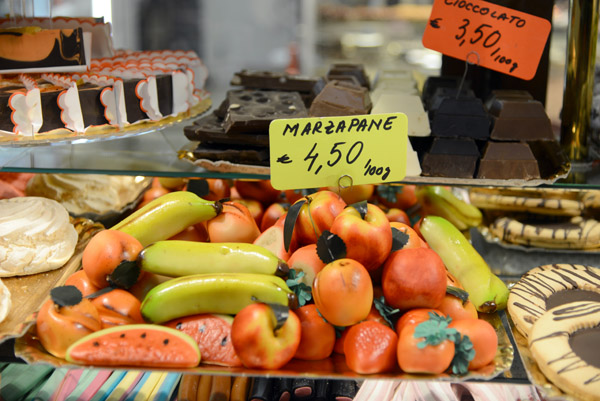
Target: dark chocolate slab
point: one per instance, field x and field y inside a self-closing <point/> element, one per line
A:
<point x="232" y="154"/>
<point x="454" y="146"/>
<point x="274" y="81"/>
<point x="448" y="165"/>
<point x="355" y="70"/>
<point x="522" y="129"/>
<point x="210" y="129"/>
<point x="252" y="111"/>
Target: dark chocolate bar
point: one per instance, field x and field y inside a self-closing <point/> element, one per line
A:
<point x="506" y="94"/>
<point x="508" y="160"/>
<point x="210" y="129"/>
<point x="274" y="81"/>
<point x="434" y="82"/>
<point x="355" y="70"/>
<point x="451" y="157"/>
<point x="232" y="154"/>
<point x="341" y="99"/>
<point x="462" y="117"/>
<point x="252" y="111"/>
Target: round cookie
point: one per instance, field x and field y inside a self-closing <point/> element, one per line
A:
<point x="550" y="285"/>
<point x="564" y="342"/>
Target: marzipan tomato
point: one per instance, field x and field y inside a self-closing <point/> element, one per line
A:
<point x="433" y="359"/>
<point x="414" y="316"/>
<point x="455" y="308"/>
<point x="484" y="339"/>
<point x="80" y="280"/>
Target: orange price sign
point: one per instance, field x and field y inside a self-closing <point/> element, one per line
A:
<point x="503" y="39"/>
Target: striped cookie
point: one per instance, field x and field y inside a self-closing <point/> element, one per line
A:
<point x="555" y="202"/>
<point x="549" y="285"/>
<point x="577" y="233"/>
<point x="564" y="342"/>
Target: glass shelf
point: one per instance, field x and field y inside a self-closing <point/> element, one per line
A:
<point x="156" y="154"/>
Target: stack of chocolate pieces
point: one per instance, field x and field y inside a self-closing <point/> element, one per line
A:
<point x="238" y="130"/>
<point x="459" y="124"/>
<point x="520" y="124"/>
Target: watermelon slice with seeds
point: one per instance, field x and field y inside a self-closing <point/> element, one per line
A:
<point x="212" y="333"/>
<point x="145" y="345"/>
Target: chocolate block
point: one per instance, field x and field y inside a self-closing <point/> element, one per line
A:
<point x="341" y="99"/>
<point x="463" y="117"/>
<point x="355" y="70"/>
<point x="273" y="80"/>
<point x="451" y="157"/>
<point x="434" y="102"/>
<point x="209" y="129"/>
<point x="507" y="94"/>
<point x="518" y="119"/>
<point x="233" y="154"/>
<point x="252" y="111"/>
<point x="351" y="79"/>
<point x="508" y="160"/>
<point x="445" y="165"/>
<point x="433" y="83"/>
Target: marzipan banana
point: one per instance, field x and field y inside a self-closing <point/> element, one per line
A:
<point x="225" y="293"/>
<point x="438" y="201"/>
<point x="182" y="258"/>
<point x="487" y="292"/>
<point x="168" y="215"/>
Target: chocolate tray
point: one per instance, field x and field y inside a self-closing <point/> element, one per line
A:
<point x="29" y="349"/>
<point x="28" y="293"/>
<point x="96" y="134"/>
<point x="561" y="172"/>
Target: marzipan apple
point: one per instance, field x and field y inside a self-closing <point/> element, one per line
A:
<point x="368" y="240"/>
<point x="258" y="344"/>
<point x="317" y="215"/>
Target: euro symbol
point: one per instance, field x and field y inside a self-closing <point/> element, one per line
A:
<point x="435" y="23"/>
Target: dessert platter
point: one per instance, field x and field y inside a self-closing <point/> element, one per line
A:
<point x="45" y="100"/>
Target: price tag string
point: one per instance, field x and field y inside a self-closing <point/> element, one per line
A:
<point x="467" y="64"/>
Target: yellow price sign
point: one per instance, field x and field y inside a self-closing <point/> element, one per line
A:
<point x="320" y="151"/>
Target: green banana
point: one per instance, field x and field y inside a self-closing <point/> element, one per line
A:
<point x="225" y="293"/>
<point x="182" y="258"/>
<point x="438" y="201"/>
<point x="168" y="215"/>
<point x="487" y="292"/>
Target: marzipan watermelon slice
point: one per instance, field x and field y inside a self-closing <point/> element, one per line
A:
<point x="146" y="345"/>
<point x="212" y="332"/>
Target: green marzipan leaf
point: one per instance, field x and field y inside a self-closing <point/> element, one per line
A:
<point x="385" y="310"/>
<point x="434" y="331"/>
<point x="302" y="291"/>
<point x="463" y="354"/>
<point x="388" y="192"/>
